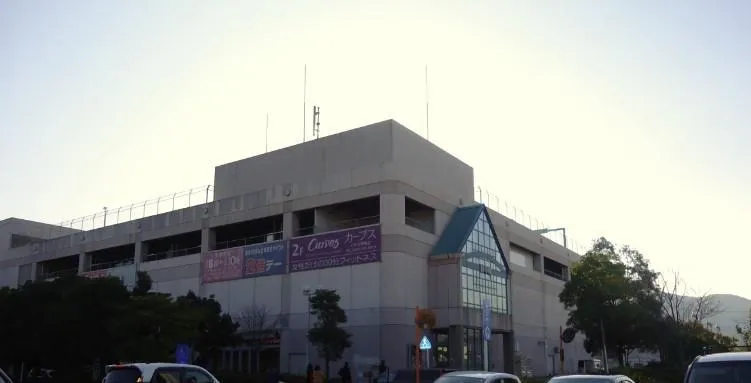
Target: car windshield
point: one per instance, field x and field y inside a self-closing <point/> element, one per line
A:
<point x="459" y="379"/>
<point x="720" y="372"/>
<point x="123" y="375"/>
<point x="580" y="379"/>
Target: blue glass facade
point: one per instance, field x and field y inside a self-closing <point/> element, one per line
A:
<point x="484" y="273"/>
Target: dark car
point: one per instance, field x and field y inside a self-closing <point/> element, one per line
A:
<point x="727" y="367"/>
<point x="591" y="379"/>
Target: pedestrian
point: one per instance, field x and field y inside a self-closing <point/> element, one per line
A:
<point x="345" y="374"/>
<point x="309" y="374"/>
<point x="382" y="367"/>
<point x="318" y="376"/>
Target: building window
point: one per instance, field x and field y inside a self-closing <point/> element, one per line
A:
<point x="484" y="274"/>
<point x="473" y="350"/>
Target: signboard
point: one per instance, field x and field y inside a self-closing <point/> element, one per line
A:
<point x="425" y="343"/>
<point x="486" y="320"/>
<point x="222" y="265"/>
<point x="182" y="354"/>
<point x="336" y="248"/>
<point x="265" y="259"/>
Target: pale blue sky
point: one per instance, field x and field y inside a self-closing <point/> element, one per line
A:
<point x="627" y="119"/>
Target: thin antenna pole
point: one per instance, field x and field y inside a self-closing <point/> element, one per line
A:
<point x="304" y="101"/>
<point x="267" y="132"/>
<point x="427" y="105"/>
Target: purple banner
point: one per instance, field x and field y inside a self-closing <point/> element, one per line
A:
<point x="335" y="248"/>
<point x="222" y="265"/>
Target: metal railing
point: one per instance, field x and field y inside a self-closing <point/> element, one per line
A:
<point x="525" y="219"/>
<point x="171" y="254"/>
<point x="553" y="274"/>
<point x="338" y="225"/>
<point x="426" y="226"/>
<point x="125" y="213"/>
<point x="111" y="264"/>
<point x="59" y="273"/>
<point x="272" y="236"/>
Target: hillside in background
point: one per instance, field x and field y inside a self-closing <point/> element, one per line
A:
<point x="735" y="310"/>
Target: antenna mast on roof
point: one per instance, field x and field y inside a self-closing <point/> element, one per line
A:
<point x="427" y="106"/>
<point x="304" y="101"/>
<point x="267" y="132"/>
<point x="316" y="121"/>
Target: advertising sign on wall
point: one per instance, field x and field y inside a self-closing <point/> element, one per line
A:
<point x="222" y="265"/>
<point x="265" y="259"/>
<point x="335" y="248"/>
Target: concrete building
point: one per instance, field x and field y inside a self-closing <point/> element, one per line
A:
<point x="379" y="214"/>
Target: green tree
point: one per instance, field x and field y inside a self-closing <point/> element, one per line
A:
<point x="143" y="283"/>
<point x="214" y="330"/>
<point x="330" y="339"/>
<point x="613" y="292"/>
<point x="744" y="333"/>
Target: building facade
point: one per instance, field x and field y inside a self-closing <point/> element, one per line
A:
<point x="382" y="216"/>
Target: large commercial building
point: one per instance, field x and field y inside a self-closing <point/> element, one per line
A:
<point x="382" y="216"/>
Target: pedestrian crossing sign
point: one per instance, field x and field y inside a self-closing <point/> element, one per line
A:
<point x="425" y="343"/>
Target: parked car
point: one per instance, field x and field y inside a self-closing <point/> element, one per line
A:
<point x="157" y="373"/>
<point x="427" y="375"/>
<point x="591" y="379"/>
<point x="478" y="377"/>
<point x="727" y="367"/>
<point x="4" y="378"/>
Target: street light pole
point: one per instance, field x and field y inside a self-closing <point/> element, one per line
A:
<point x="306" y="292"/>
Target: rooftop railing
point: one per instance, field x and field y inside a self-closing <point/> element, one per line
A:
<point x="527" y="220"/>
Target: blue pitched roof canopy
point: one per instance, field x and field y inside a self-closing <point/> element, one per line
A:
<point x="459" y="228"/>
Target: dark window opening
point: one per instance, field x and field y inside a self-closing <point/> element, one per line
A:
<point x="304" y="222"/>
<point x="18" y="240"/>
<point x="346" y="215"/>
<point x="172" y="247"/>
<point x="112" y="257"/>
<point x="419" y="216"/>
<point x="261" y="230"/>
<point x="58" y="267"/>
<point x="555" y="269"/>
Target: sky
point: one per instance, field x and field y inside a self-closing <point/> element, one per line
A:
<point x="623" y="119"/>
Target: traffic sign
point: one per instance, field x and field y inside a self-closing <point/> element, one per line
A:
<point x="486" y="320"/>
<point x="182" y="354"/>
<point x="425" y="343"/>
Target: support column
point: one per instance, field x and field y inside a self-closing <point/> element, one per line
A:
<point x="509" y="351"/>
<point x="456" y="347"/>
<point x="392" y="213"/>
<point x="83" y="262"/>
<point x="208" y="240"/>
<point x="289" y="223"/>
<point x="34" y="272"/>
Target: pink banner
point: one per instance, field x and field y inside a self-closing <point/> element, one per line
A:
<point x="222" y="265"/>
<point x="96" y="274"/>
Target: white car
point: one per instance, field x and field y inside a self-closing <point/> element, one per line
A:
<point x="4" y="378"/>
<point x="157" y="373"/>
<point x="478" y="377"/>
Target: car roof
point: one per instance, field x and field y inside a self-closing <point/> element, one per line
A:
<point x="724" y="357"/>
<point x="564" y="377"/>
<point x="480" y="374"/>
<point x="147" y="369"/>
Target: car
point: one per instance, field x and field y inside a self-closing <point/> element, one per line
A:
<point x="157" y="373"/>
<point x="591" y="379"/>
<point x="428" y="375"/>
<point x="478" y="377"/>
<point x="726" y="367"/>
<point x="4" y="378"/>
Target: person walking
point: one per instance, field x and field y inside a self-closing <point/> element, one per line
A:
<point x="345" y="373"/>
<point x="318" y="376"/>
<point x="309" y="374"/>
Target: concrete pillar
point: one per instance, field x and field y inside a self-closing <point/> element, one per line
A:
<point x="392" y="213"/>
<point x="289" y="225"/>
<point x="35" y="271"/>
<point x="83" y="264"/>
<point x="320" y="221"/>
<point x="509" y="350"/>
<point x="208" y="240"/>
<point x="456" y="347"/>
